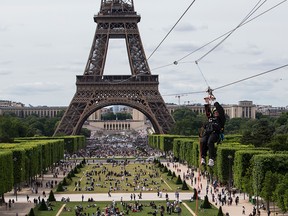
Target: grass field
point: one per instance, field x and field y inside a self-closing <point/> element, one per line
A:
<point x="147" y="209"/>
<point x="133" y="177"/>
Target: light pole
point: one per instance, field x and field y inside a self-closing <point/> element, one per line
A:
<point x="230" y="174"/>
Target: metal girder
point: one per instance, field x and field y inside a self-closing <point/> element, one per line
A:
<point x="116" y="19"/>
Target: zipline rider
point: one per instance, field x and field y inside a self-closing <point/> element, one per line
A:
<point x="213" y="129"/>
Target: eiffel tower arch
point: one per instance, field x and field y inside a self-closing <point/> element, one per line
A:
<point x="117" y="19"/>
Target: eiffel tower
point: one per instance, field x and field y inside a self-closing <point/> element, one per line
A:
<point x="117" y="19"/>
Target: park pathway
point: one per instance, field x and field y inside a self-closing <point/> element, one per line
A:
<point x="22" y="207"/>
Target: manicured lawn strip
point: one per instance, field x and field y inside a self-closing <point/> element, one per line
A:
<point x="202" y="212"/>
<point x="172" y="183"/>
<point x="102" y="205"/>
<point x="56" y="207"/>
<point x="125" y="186"/>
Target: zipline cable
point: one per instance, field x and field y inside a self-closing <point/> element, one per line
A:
<point x="233" y="30"/>
<point x="202" y="74"/>
<point x="203" y="46"/>
<point x="235" y="82"/>
<point x="247" y="78"/>
<point x="171" y="29"/>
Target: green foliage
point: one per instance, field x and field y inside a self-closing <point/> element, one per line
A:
<point x="65" y="182"/>
<point x="185" y="186"/>
<point x="116" y="116"/>
<point x="281" y="193"/>
<point x="31" y="213"/>
<point x="206" y="204"/>
<point x="169" y="173"/>
<point x="220" y="212"/>
<point x="51" y="197"/>
<point x="165" y="169"/>
<point x="279" y="142"/>
<point x="187" y="122"/>
<point x="173" y="175"/>
<point x="178" y="181"/>
<point x="267" y="162"/>
<point x="242" y="162"/>
<point x="259" y="134"/>
<point x="223" y="162"/>
<point x="43" y="206"/>
<point x="6" y="167"/>
<point x="269" y="185"/>
<point x="60" y="187"/>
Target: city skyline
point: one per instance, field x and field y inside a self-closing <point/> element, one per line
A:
<point x="44" y="45"/>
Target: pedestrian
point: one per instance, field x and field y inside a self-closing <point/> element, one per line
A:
<point x="213" y="130"/>
<point x="82" y="197"/>
<point x="243" y="210"/>
<point x="27" y="198"/>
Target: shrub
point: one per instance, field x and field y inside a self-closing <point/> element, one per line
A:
<point x="60" y="187"/>
<point x="220" y="212"/>
<point x="178" y="181"/>
<point x="165" y="169"/>
<point x="51" y="197"/>
<point x="185" y="186"/>
<point x="206" y="204"/>
<point x="173" y="175"/>
<point x="169" y="173"/>
<point x="43" y="206"/>
<point x="31" y="213"/>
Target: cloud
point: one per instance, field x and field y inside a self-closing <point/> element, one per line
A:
<point x="35" y="88"/>
<point x="4" y="72"/>
<point x="187" y="27"/>
<point x="3" y="28"/>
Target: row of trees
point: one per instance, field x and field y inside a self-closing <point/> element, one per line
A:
<point x="245" y="165"/>
<point x="25" y="159"/>
<point x="12" y="127"/>
<point x="262" y="131"/>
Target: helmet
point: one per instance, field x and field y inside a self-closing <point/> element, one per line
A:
<point x="214" y="110"/>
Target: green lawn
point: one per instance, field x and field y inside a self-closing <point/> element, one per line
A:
<point x="56" y="207"/>
<point x="89" y="208"/>
<point x="107" y="177"/>
<point x="202" y="212"/>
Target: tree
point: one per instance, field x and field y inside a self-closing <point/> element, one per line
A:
<point x="43" y="206"/>
<point x="269" y="186"/>
<point x="220" y="212"/>
<point x="206" y="204"/>
<point x="178" y="181"/>
<point x="279" y="142"/>
<point x="185" y="186"/>
<point x="31" y="213"/>
<point x="281" y="192"/>
<point x="187" y="122"/>
<point x="259" y="134"/>
<point x="51" y="197"/>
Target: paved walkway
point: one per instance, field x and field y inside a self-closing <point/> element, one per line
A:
<point x="22" y="207"/>
<point x="233" y="210"/>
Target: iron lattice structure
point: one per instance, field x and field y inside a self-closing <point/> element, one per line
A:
<point x="116" y="19"/>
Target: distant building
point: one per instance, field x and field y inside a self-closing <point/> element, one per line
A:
<point x="271" y="111"/>
<point x="244" y="109"/>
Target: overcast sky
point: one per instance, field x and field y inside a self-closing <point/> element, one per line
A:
<point x="45" y="44"/>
